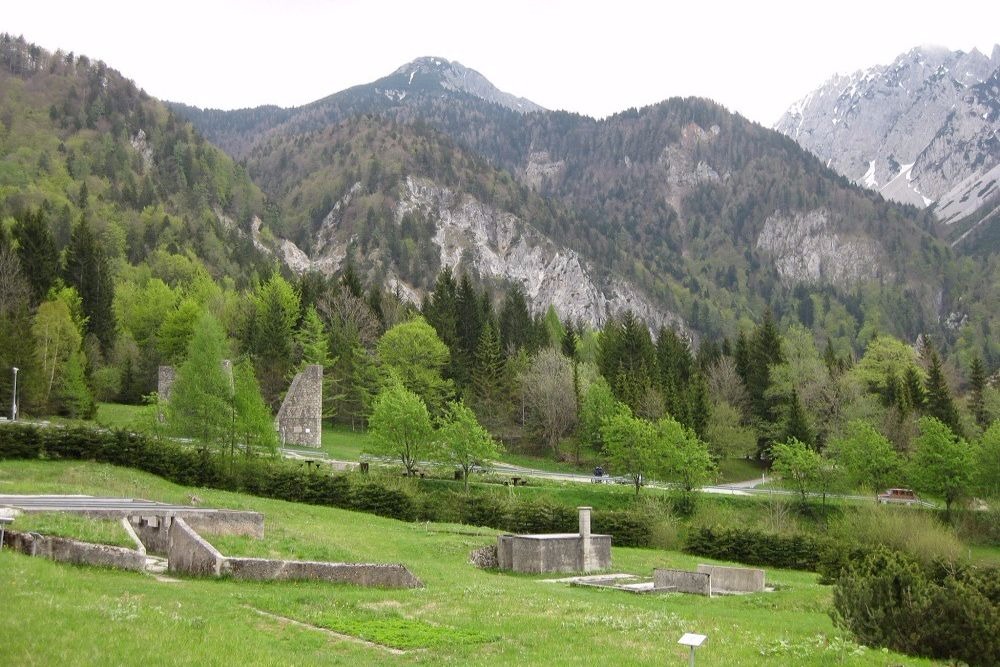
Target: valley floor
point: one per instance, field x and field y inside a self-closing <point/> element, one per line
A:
<point x="78" y="615"/>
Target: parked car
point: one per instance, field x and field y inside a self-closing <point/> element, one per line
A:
<point x="902" y="496"/>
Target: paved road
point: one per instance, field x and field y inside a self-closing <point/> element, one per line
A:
<point x="744" y="488"/>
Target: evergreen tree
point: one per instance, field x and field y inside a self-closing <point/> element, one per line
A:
<point x="913" y="388"/>
<point x="977" y="385"/>
<point x="469" y="326"/>
<point x="796" y="425"/>
<point x="268" y="333"/>
<point x="488" y="376"/>
<point x="516" y="323"/>
<point x="939" y="402"/>
<point x="201" y="397"/>
<point x="351" y="281"/>
<point x="88" y="271"/>
<point x="36" y="248"/>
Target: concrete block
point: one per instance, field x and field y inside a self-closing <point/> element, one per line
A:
<point x="699" y="583"/>
<point x="734" y="579"/>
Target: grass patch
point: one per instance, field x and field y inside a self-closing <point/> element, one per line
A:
<point x="117" y="415"/>
<point x="462" y="616"/>
<point x="738" y="470"/>
<point x="100" y="531"/>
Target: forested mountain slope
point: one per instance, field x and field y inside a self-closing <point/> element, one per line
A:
<point x="80" y="141"/>
<point x="709" y="215"/>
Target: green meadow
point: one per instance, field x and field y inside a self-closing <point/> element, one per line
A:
<point x="80" y="615"/>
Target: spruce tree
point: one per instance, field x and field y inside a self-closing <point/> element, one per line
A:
<point x="87" y="270"/>
<point x="36" y="248"/>
<point x="796" y="423"/>
<point x="516" y="324"/>
<point x="939" y="402"/>
<point x="977" y="385"/>
<point x="488" y="374"/>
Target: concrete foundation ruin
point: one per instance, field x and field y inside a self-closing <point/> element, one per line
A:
<point x="556" y="552"/>
<point x="300" y="419"/>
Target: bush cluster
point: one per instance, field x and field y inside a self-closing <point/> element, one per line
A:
<point x="285" y="480"/>
<point x="952" y="612"/>
<point x="754" y="547"/>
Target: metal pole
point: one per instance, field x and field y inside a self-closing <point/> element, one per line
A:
<point x="13" y="401"/>
<point x="691" y="661"/>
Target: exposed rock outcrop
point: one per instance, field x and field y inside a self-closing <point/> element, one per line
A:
<point x="805" y="248"/>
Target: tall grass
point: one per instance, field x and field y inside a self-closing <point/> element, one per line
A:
<point x="915" y="532"/>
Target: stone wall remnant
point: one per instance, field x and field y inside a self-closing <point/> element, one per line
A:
<point x="65" y="550"/>
<point x="300" y="418"/>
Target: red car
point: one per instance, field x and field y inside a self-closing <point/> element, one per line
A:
<point x="904" y="496"/>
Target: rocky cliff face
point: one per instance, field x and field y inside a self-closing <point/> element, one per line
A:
<point x="915" y="130"/>
<point x="806" y="248"/>
<point x="497" y="246"/>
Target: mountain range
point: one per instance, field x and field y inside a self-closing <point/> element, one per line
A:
<point x="681" y="212"/>
<point x="922" y="130"/>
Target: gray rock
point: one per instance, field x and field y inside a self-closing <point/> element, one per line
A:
<point x="913" y="130"/>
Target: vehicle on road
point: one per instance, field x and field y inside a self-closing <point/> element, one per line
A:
<point x="899" y="496"/>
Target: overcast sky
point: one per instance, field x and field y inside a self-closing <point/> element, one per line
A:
<point x="755" y="56"/>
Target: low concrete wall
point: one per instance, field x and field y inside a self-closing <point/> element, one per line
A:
<point x="71" y="551"/>
<point x="699" y="583"/>
<point x="359" y="574"/>
<point x="190" y="554"/>
<point x="734" y="579"/>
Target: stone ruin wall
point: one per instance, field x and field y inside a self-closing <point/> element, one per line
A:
<point x="299" y="420"/>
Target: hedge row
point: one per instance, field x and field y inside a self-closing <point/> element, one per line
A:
<point x="753" y="547"/>
<point x="285" y="480"/>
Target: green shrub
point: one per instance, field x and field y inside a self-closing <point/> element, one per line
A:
<point x="753" y="547"/>
<point x="540" y="516"/>
<point x="627" y="529"/>
<point x="889" y="599"/>
<point x="483" y="510"/>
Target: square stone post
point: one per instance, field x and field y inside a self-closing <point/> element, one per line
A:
<point x="586" y="556"/>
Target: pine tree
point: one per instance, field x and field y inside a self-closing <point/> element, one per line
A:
<point x="88" y="271"/>
<point x="939" y="402"/>
<point x="796" y="424"/>
<point x="977" y="385"/>
<point x="36" y="248"/>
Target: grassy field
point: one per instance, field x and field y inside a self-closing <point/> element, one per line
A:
<point x="80" y="615"/>
<point x="102" y="531"/>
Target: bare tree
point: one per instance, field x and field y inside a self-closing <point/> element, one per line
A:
<point x="547" y="384"/>
<point x="726" y="386"/>
<point x="343" y="308"/>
